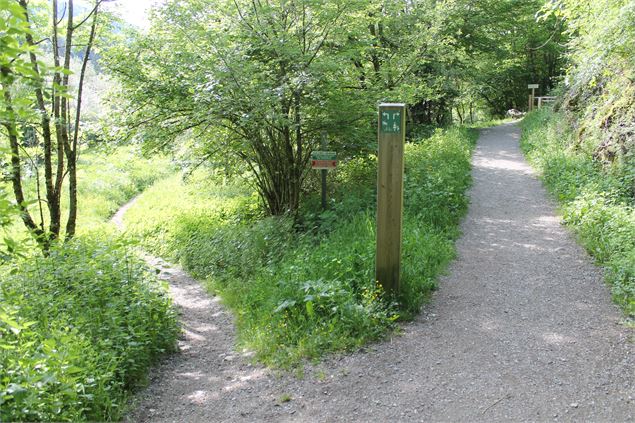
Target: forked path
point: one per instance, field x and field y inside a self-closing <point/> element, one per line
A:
<point x="522" y="329"/>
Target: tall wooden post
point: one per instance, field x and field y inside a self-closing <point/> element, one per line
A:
<point x="390" y="168"/>
<point x="531" y="102"/>
<point x="533" y="98"/>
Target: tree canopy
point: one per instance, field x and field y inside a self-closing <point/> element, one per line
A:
<point x="255" y="85"/>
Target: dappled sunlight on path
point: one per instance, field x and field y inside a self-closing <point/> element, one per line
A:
<point x="522" y="328"/>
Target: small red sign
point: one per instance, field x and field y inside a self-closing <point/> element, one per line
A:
<point x="323" y="164"/>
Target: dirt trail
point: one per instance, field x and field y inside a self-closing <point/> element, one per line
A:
<point x="522" y="329"/>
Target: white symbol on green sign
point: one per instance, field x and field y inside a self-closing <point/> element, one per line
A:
<point x="391" y="121"/>
<point x="324" y="155"/>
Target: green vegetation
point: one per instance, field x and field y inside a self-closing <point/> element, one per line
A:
<point x="596" y="199"/>
<point x="107" y="179"/>
<point x="302" y="287"/>
<point x="42" y="105"/>
<point x="598" y="93"/>
<point x="240" y="93"/>
<point x="78" y="328"/>
<point x="252" y="87"/>
<point x="586" y="150"/>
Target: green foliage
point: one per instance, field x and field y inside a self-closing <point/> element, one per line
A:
<point x="106" y="180"/>
<point x="77" y="330"/>
<point x="596" y="200"/>
<point x="251" y="87"/>
<point x="502" y="48"/>
<point x="40" y="108"/>
<point x="14" y="63"/>
<point x="599" y="90"/>
<point x="305" y="286"/>
<point x="9" y="247"/>
<point x="434" y="202"/>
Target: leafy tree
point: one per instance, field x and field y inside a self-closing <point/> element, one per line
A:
<point x="39" y="93"/>
<point x="252" y="86"/>
<point x="504" y="47"/>
<point x="259" y="82"/>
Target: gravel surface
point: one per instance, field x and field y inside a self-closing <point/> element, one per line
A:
<point x="522" y="329"/>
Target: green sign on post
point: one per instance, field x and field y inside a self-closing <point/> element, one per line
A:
<point x="323" y="155"/>
<point x="323" y="160"/>
<point x="391" y="121"/>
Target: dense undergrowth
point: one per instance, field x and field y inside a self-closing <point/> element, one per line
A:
<point x="304" y="286"/>
<point x="80" y="327"/>
<point x="597" y="198"/>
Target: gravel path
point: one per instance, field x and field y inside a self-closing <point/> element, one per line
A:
<point x="522" y="329"/>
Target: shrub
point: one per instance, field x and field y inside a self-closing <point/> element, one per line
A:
<point x="596" y="199"/>
<point x="78" y="329"/>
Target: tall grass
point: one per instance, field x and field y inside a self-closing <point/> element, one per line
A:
<point x="596" y="199"/>
<point x="106" y="180"/>
<point x="80" y="327"/>
<point x="302" y="286"/>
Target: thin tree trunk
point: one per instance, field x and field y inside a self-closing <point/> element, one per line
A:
<point x="58" y="99"/>
<point x="16" y="166"/>
<point x="52" y="196"/>
<point x="71" y="156"/>
<point x="298" y="165"/>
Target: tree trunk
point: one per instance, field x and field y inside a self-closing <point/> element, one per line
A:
<point x="71" y="147"/>
<point x="16" y="165"/>
<point x="52" y="195"/>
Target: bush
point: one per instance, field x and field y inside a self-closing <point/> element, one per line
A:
<point x="302" y="286"/>
<point x="596" y="198"/>
<point x="78" y="329"/>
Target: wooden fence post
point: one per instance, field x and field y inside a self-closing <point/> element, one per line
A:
<point x="390" y="167"/>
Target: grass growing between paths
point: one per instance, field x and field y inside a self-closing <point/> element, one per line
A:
<point x="597" y="200"/>
<point x="304" y="286"/>
<point x="80" y="327"/>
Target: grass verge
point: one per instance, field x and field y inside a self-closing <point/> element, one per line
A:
<point x="79" y="329"/>
<point x="305" y="286"/>
<point x="106" y="180"/>
<point x="596" y="199"/>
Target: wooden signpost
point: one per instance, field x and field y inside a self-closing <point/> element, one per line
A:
<point x="533" y="88"/>
<point x="325" y="161"/>
<point x="390" y="168"/>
